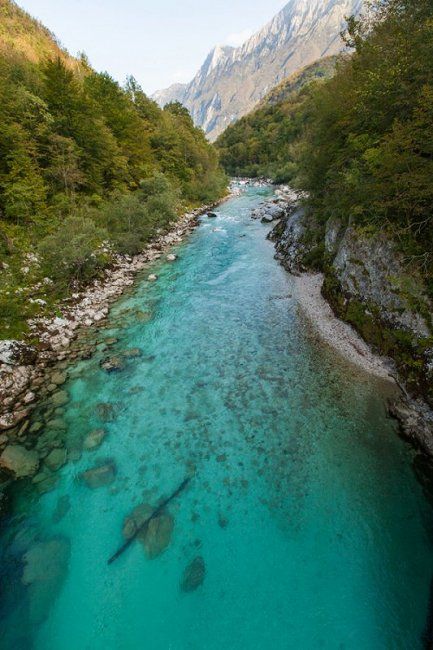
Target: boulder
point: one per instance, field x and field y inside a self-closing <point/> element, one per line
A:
<point x="56" y="459"/>
<point x="99" y="476"/>
<point x="212" y="215"/>
<point x="60" y="398"/>
<point x="152" y="277"/>
<point x="157" y="536"/>
<point x="194" y="575"/>
<point x="20" y="461"/>
<point x="112" y="364"/>
<point x="45" y="569"/>
<point x="171" y="257"/>
<point x="94" y="439"/>
<point x="10" y="420"/>
<point x="16" y="353"/>
<point x="58" y="378"/>
<point x="136" y="519"/>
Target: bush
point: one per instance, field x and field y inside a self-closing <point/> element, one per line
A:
<point x="133" y="219"/>
<point x="73" y="251"/>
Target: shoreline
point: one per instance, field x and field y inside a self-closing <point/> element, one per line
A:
<point x="25" y="376"/>
<point x="336" y="333"/>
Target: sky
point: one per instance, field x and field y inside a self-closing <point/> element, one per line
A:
<point x="159" y="42"/>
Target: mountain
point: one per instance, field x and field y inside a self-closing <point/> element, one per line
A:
<point x="232" y="80"/>
<point x="261" y="143"/>
<point x="23" y="36"/>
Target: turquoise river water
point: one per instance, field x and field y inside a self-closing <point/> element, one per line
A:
<point x="303" y="504"/>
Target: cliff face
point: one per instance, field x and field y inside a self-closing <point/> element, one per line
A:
<point x="232" y="80"/>
<point x="369" y="284"/>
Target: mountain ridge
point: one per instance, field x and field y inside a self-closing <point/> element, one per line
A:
<point x="232" y="80"/>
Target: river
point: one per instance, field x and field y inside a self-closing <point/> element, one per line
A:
<point x="302" y="505"/>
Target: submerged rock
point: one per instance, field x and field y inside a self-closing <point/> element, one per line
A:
<point x="194" y="575"/>
<point x="132" y="353"/>
<point x="56" y="459"/>
<point x="212" y="215"/>
<point x="45" y="569"/>
<point x="152" y="277"/>
<point x="59" y="378"/>
<point x="156" y="536"/>
<point x="62" y="508"/>
<point x="20" y="461"/>
<point x="106" y="411"/>
<point x="60" y="398"/>
<point x="99" y="476"/>
<point x="112" y="364"/>
<point x="94" y="439"/>
<point x="136" y="519"/>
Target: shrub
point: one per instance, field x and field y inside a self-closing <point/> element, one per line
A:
<point x="73" y="251"/>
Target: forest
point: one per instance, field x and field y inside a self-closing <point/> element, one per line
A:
<point x="88" y="169"/>
<point x="360" y="143"/>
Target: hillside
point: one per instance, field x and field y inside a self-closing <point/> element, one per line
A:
<point x="88" y="169"/>
<point x="233" y="80"/>
<point x="359" y="145"/>
<point x="261" y="143"/>
<point x="24" y="36"/>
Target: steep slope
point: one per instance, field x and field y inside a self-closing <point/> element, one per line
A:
<point x="232" y="80"/>
<point x="261" y="143"/>
<point x="22" y="35"/>
<point x="83" y="162"/>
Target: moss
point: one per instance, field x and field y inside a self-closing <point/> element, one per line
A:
<point x="406" y="350"/>
<point x="314" y="259"/>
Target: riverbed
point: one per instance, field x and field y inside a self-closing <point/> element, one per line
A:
<point x="302" y="504"/>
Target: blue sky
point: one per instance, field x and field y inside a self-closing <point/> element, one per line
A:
<point x="158" y="41"/>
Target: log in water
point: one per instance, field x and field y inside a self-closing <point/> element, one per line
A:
<point x="158" y="510"/>
<point x="307" y="515"/>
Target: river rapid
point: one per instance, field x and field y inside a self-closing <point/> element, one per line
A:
<point x="302" y="505"/>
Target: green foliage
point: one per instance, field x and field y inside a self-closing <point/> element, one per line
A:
<point x="80" y="241"/>
<point x="84" y="160"/>
<point x="133" y="219"/>
<point x="263" y="143"/>
<point x="367" y="152"/>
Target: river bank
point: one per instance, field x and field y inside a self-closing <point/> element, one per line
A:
<point x="356" y="305"/>
<point x="218" y="377"/>
<point x="29" y="373"/>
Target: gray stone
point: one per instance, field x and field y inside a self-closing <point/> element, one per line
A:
<point x="17" y="353"/>
<point x="94" y="439"/>
<point x="56" y="459"/>
<point x="193" y="575"/>
<point x="99" y="476"/>
<point x="20" y="461"/>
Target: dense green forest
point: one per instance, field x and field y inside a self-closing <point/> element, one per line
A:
<point x="262" y="143"/>
<point x="360" y="143"/>
<point x="87" y="168"/>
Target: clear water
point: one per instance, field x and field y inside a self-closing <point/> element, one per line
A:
<point x="303" y="505"/>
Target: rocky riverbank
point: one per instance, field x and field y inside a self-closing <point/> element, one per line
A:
<point x="360" y="296"/>
<point x="29" y="373"/>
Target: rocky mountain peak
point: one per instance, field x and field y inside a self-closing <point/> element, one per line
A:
<point x="232" y="80"/>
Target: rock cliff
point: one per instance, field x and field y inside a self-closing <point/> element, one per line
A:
<point x="232" y="81"/>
